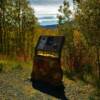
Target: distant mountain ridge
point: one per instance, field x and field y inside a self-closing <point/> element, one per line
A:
<point x="53" y="26"/>
<point x="48" y="21"/>
<point x="47" y="17"/>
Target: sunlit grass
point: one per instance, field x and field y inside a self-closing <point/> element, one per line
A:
<point x="10" y="64"/>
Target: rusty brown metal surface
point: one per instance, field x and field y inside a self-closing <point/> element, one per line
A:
<point x="46" y="62"/>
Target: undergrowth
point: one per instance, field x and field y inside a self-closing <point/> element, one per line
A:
<point x="1" y="67"/>
<point x="84" y="74"/>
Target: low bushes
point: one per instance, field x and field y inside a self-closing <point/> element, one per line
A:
<point x="1" y="67"/>
<point x="9" y="67"/>
<point x="17" y="66"/>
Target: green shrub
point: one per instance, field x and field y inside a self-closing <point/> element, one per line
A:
<point x="87" y="69"/>
<point x="97" y="83"/>
<point x="69" y="74"/>
<point x="1" y="67"/>
<point x="17" y="67"/>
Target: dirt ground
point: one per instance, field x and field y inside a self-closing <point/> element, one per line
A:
<point x="15" y="85"/>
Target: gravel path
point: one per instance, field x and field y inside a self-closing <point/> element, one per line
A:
<point x="15" y="85"/>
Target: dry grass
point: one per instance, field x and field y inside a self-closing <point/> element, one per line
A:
<point x="14" y="85"/>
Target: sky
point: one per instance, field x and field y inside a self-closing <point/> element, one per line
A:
<point x="47" y="10"/>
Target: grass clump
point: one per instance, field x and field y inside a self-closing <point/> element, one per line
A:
<point x="17" y="66"/>
<point x="83" y="73"/>
<point x="97" y="83"/>
<point x="69" y="74"/>
<point x="1" y="67"/>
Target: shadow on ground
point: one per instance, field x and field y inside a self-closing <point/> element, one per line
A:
<point x="56" y="91"/>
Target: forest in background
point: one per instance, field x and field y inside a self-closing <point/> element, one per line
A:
<point x="17" y="26"/>
<point x="19" y="32"/>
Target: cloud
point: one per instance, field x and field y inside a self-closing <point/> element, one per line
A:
<point x="45" y="10"/>
<point x="47" y="6"/>
<point x="46" y="2"/>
